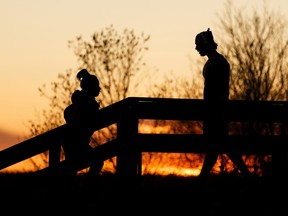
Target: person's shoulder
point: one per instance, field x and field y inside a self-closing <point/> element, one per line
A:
<point x="220" y="58"/>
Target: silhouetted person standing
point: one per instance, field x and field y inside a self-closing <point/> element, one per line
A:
<point x="80" y="117"/>
<point x="216" y="73"/>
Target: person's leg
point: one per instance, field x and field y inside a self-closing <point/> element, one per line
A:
<point x="239" y="162"/>
<point x="208" y="164"/>
<point x="96" y="167"/>
<point x="210" y="131"/>
<point x="92" y="181"/>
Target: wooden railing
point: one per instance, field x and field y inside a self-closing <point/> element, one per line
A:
<point x="129" y="144"/>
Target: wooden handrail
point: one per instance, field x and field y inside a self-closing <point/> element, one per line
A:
<point x="126" y="114"/>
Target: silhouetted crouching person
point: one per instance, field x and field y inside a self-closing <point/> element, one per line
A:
<point x="80" y="117"/>
<point x="216" y="73"/>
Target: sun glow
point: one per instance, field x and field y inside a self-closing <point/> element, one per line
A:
<point x="30" y="165"/>
<point x="147" y="127"/>
<point x="173" y="170"/>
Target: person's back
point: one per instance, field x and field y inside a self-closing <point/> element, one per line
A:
<point x="217" y="75"/>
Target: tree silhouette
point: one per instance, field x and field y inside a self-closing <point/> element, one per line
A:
<point x="115" y="58"/>
<point x="256" y="45"/>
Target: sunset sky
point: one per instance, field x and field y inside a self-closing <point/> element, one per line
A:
<point x="34" y="41"/>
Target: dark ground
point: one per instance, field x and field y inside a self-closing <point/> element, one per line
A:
<point x="107" y="195"/>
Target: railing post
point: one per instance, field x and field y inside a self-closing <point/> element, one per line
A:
<point x="129" y="158"/>
<point x="54" y="155"/>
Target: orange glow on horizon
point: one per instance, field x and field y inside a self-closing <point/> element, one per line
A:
<point x="180" y="164"/>
<point x="154" y="168"/>
<point x="173" y="170"/>
<point x="147" y="127"/>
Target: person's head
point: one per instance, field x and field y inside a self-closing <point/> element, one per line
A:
<point x="205" y="43"/>
<point x="89" y="82"/>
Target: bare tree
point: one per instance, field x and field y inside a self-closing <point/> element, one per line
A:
<point x="256" y="46"/>
<point x="116" y="59"/>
